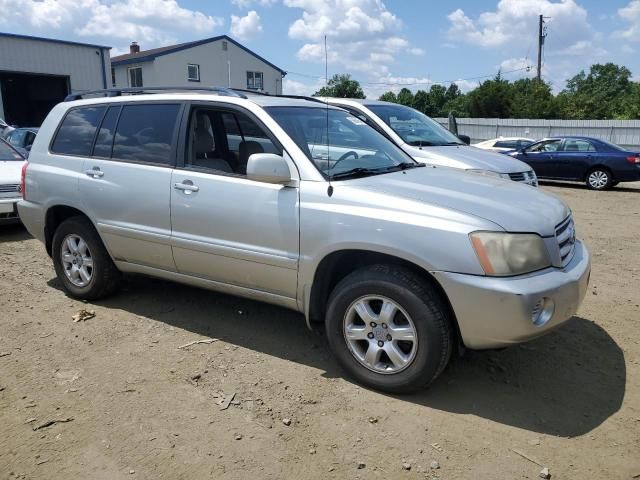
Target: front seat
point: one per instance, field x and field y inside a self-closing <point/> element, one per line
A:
<point x="245" y="150"/>
<point x="203" y="146"/>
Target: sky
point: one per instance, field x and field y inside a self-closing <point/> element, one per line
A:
<point x="384" y="45"/>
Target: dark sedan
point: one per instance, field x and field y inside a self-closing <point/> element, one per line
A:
<point x="22" y="137"/>
<point x="600" y="164"/>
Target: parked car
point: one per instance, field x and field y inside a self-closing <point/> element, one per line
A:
<point x="22" y="137"/>
<point x="402" y="262"/>
<point x="600" y="164"/>
<point x="504" y="144"/>
<point x="4" y="128"/>
<point x="429" y="142"/>
<point x="11" y="163"/>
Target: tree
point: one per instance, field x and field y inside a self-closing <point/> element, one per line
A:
<point x="405" y="97"/>
<point x="341" y="85"/>
<point x="532" y="98"/>
<point x="389" y="97"/>
<point x="421" y="101"/>
<point x="492" y="99"/>
<point x="437" y="99"/>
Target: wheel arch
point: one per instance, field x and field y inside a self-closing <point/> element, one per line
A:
<point x="54" y="217"/>
<point x="598" y="166"/>
<point x="338" y="264"/>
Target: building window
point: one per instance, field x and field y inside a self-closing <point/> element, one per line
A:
<point x="254" y="81"/>
<point x="113" y="77"/>
<point x="225" y="45"/>
<point x="135" y="77"/>
<point x="193" y="72"/>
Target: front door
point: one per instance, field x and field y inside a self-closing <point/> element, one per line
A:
<point x="225" y="227"/>
<point x="540" y="156"/>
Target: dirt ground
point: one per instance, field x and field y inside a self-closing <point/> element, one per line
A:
<point x="141" y="407"/>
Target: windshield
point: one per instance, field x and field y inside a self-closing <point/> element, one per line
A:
<point x="8" y="153"/>
<point x="351" y="146"/>
<point x="414" y="127"/>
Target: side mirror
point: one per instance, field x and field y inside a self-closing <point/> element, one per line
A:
<point x="268" y="168"/>
<point x="465" y="138"/>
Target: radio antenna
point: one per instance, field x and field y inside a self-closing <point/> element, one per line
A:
<point x="326" y="84"/>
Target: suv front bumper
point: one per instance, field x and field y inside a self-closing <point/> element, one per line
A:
<point x="495" y="312"/>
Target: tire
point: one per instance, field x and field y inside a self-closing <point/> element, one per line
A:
<point x="101" y="279"/>
<point x="419" y="305"/>
<point x="613" y="184"/>
<point x="599" y="179"/>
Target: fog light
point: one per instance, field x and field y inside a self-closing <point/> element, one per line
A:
<point x="542" y="311"/>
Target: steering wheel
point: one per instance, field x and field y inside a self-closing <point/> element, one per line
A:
<point x="350" y="153"/>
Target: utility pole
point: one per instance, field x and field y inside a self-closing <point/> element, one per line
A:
<point x="541" y="36"/>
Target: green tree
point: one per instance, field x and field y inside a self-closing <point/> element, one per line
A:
<point x="405" y="97"/>
<point x="389" y="97"/>
<point x="437" y="99"/>
<point x="532" y="98"/>
<point x="342" y="86"/>
<point x="421" y="101"/>
<point x="492" y="99"/>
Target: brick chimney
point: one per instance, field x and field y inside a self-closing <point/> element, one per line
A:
<point x="134" y="48"/>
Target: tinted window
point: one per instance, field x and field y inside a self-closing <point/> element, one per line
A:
<point x="104" y="142"/>
<point x="16" y="138"/>
<point x="545" y="146"/>
<point x="506" y="144"/>
<point x="75" y="136"/>
<point x="8" y="153"/>
<point x="145" y="133"/>
<point x="578" y="146"/>
<point x="29" y="138"/>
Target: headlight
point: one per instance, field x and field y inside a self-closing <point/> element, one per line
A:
<point x="503" y="254"/>
<point x="487" y="173"/>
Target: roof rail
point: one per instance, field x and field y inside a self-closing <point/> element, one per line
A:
<point x="117" y="92"/>
<point x="265" y="94"/>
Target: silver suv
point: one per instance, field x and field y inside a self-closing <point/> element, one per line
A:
<point x="302" y="205"/>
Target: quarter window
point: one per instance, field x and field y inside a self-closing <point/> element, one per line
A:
<point x="75" y="136"/>
<point x="255" y="81"/>
<point x="193" y="72"/>
<point x="135" y="77"/>
<point x="145" y="133"/>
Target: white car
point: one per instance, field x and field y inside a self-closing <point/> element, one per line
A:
<point x="5" y="128"/>
<point x="426" y="141"/>
<point x="504" y="144"/>
<point x="11" y="162"/>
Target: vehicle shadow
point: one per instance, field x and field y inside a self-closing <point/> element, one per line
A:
<point x="582" y="186"/>
<point x="565" y="384"/>
<point x="13" y="232"/>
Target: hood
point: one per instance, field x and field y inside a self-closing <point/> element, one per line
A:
<point x="511" y="205"/>
<point x="466" y="157"/>
<point x="10" y="172"/>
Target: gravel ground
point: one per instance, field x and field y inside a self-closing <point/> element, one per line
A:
<point x="138" y="406"/>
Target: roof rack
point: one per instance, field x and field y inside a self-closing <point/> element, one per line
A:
<point x="117" y="92"/>
<point x="265" y="94"/>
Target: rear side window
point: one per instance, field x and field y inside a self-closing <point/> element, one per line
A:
<point x="506" y="144"/>
<point x="104" y="142"/>
<point x="145" y="133"/>
<point x="75" y="135"/>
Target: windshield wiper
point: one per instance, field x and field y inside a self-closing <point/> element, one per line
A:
<point x="420" y="143"/>
<point x="362" y="171"/>
<point x="449" y="144"/>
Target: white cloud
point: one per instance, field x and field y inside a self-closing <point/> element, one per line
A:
<point x="362" y="35"/>
<point x="515" y="22"/>
<point x="631" y="15"/>
<point x="293" y="87"/>
<point x="249" y="3"/>
<point x="518" y="67"/>
<point x="154" y="22"/>
<point x="246" y="27"/>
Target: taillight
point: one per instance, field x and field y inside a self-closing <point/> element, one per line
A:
<point x="23" y="188"/>
<point x="633" y="160"/>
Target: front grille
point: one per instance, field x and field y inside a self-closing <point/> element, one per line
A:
<point x="566" y="238"/>
<point x="9" y="188"/>
<point x="527" y="177"/>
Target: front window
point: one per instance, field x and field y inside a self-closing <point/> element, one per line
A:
<point x="414" y="127"/>
<point x="135" y="77"/>
<point x="254" y="81"/>
<point x="193" y="72"/>
<point x="544" y="146"/>
<point x="338" y="143"/>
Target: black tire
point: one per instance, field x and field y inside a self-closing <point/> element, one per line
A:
<point x="613" y="184"/>
<point x="599" y="178"/>
<point x="105" y="277"/>
<point x="420" y="300"/>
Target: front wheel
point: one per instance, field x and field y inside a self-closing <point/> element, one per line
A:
<point x="389" y="329"/>
<point x="599" y="179"/>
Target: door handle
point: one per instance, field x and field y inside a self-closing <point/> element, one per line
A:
<point x="186" y="187"/>
<point x="95" y="172"/>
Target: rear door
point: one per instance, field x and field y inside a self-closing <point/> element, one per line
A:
<point x="227" y="228"/>
<point x="572" y="162"/>
<point x="125" y="185"/>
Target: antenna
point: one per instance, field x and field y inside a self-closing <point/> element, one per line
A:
<point x="326" y="84"/>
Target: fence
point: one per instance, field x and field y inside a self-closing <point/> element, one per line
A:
<point x="621" y="132"/>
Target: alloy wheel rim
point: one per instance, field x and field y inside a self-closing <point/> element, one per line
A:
<point x="77" y="260"/>
<point x="598" y="179"/>
<point x="380" y="334"/>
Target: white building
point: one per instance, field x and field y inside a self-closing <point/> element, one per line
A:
<point x="218" y="61"/>
<point x="36" y="73"/>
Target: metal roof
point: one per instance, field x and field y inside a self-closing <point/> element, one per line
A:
<point x="149" y="55"/>
<point x="52" y="40"/>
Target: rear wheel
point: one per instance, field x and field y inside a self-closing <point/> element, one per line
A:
<point x="81" y="261"/>
<point x="599" y="179"/>
<point x="389" y="329"/>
